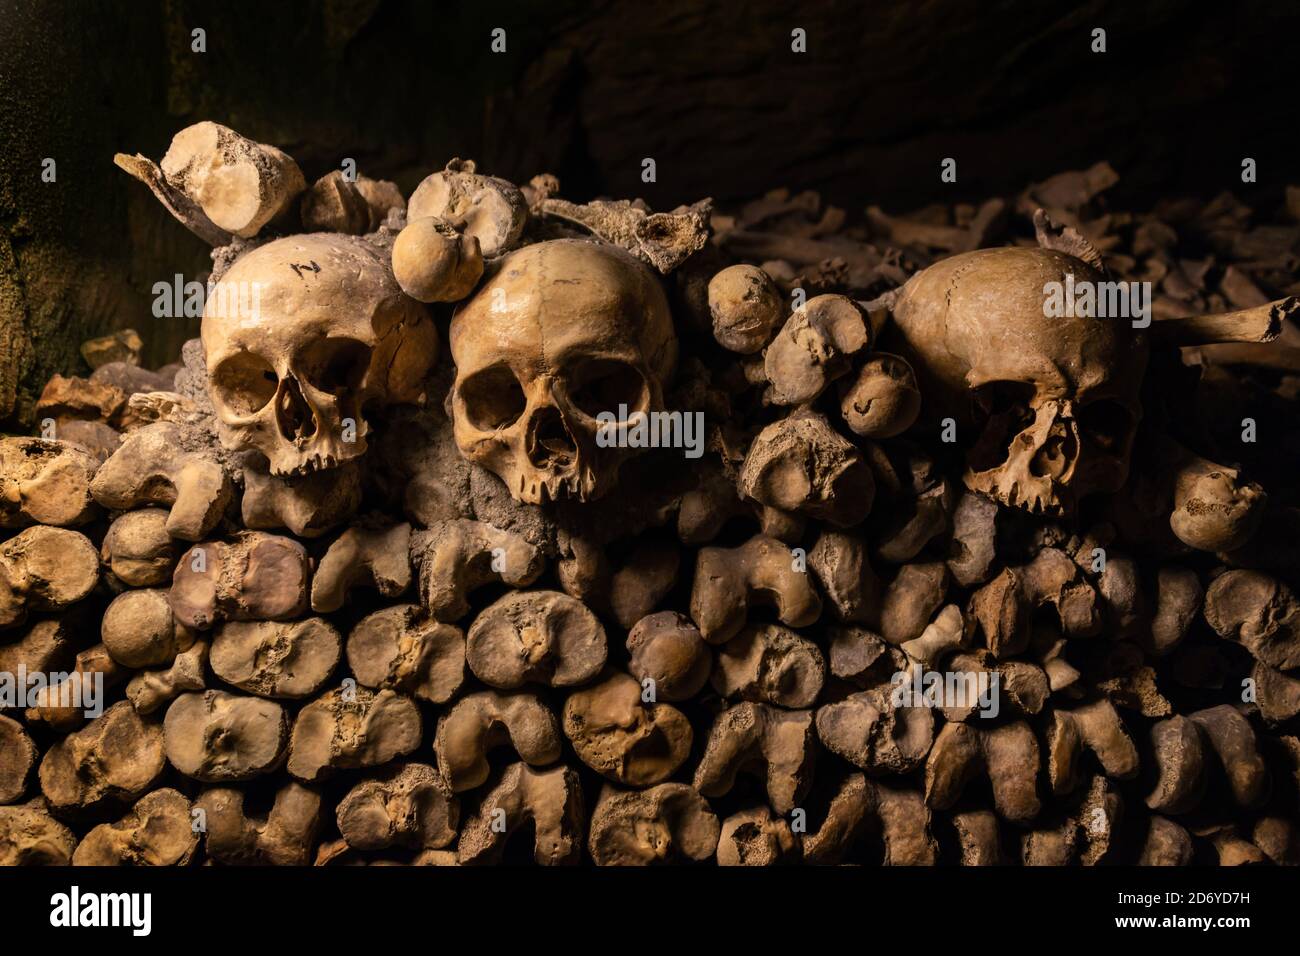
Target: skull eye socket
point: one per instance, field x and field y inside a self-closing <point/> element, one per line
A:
<point x="492" y="398"/>
<point x="244" y="383"/>
<point x="1001" y="411"/>
<point x="603" y="385"/>
<point x="336" y="366"/>
<point x="1106" y="424"/>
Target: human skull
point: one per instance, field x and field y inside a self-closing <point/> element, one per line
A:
<point x="564" y="331"/>
<point x="300" y="335"/>
<point x="1054" y="399"/>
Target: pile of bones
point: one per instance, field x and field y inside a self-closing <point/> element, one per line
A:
<point x="380" y="571"/>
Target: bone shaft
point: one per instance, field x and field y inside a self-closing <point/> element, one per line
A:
<point x="1262" y="323"/>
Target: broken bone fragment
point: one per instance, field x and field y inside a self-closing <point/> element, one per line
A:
<point x="814" y="348"/>
<point x="550" y="800"/>
<point x="486" y="209"/>
<point x="777" y="745"/>
<point x="113" y="760"/>
<point x="45" y="482"/>
<point x="407" y="805"/>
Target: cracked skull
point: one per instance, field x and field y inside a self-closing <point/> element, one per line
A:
<point x="564" y="331"/>
<point x="302" y="334"/>
<point x="1052" y="401"/>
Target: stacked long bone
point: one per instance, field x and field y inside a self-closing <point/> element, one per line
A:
<point x="360" y="597"/>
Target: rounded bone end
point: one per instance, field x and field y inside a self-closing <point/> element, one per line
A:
<point x="434" y="263"/>
<point x="746" y="308"/>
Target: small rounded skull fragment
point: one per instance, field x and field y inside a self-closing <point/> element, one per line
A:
<point x="883" y="400"/>
<point x="219" y="737"/>
<point x="300" y="336"/>
<point x="542" y="637"/>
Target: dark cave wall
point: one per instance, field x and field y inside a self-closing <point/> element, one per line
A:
<point x="587" y="90"/>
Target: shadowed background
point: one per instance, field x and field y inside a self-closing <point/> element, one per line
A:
<point x="711" y="91"/>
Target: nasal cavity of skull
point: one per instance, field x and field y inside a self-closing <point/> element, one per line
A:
<point x="1000" y="411"/>
<point x="293" y="416"/>
<point x="244" y="383"/>
<point x="607" y="386"/>
<point x="549" y="441"/>
<point x="493" y="398"/>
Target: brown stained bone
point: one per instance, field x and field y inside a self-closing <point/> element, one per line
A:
<point x="869" y="731"/>
<point x="769" y="664"/>
<point x="399" y="649"/>
<point x="843" y="569"/>
<point x="1258" y="611"/>
<point x="942" y="636"/>
<point x="485" y="208"/>
<point x="139" y="630"/>
<point x="972" y="551"/>
<point x="156" y="465"/>
<point x="285" y="837"/>
<point x="334" y="204"/>
<point x="479" y="722"/>
<point x="1008" y="754"/>
<point x="17" y="758"/>
<point x="754" y="838"/>
<point x="801" y="464"/>
<point x="239" y="184"/>
<point x="910" y="601"/>
<point x="1215" y="509"/>
<point x="351" y="728"/>
<point x="149" y="690"/>
<point x="114" y="759"/>
<point x="29" y="836"/>
<point x="814" y="348"/>
<point x="745" y="307"/>
<point x="669" y="823"/>
<point x="277" y="659"/>
<point x="407" y="805"/>
<point x="363" y="556"/>
<point x="761" y="571"/>
<point x="1260" y="323"/>
<point x="1167" y="844"/>
<point x="218" y="737"/>
<point x="255" y="576"/>
<point x="137" y="550"/>
<point x="663" y="240"/>
<point x="44" y="569"/>
<point x="157" y="831"/>
<point x="542" y="637"/>
<point x="308" y="505"/>
<point x="551" y="800"/>
<point x="776" y="745"/>
<point x="667" y="651"/>
<point x="45" y="482"/>
<point x="57" y="705"/>
<point x="48" y="645"/>
<point x="1095" y="727"/>
<point x="435" y="262"/>
<point x="622" y="736"/>
<point x="899" y="815"/>
<point x="1276" y="693"/>
<point x="978" y="838"/>
<point x="883" y="399"/>
<point x="454" y="558"/>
